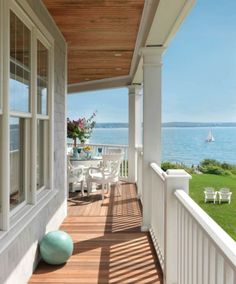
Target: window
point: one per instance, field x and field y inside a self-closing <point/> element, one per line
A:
<point x="25" y="110"/>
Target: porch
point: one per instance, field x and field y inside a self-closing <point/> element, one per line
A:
<point x="109" y="246"/>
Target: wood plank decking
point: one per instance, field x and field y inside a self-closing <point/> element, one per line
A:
<point x="108" y="244"/>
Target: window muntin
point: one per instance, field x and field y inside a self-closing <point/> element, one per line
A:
<point x="42" y="78"/>
<point x="20" y="67"/>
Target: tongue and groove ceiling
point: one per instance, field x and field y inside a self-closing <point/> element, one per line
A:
<point x="101" y="36"/>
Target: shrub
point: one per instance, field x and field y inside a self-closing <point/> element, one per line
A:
<point x="168" y="165"/>
<point x="210" y="166"/>
<point x="210" y="162"/>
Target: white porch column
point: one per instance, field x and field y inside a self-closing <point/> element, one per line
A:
<point x="151" y="122"/>
<point x="135" y="128"/>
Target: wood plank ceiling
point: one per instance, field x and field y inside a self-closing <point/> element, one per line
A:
<point x="101" y="36"/>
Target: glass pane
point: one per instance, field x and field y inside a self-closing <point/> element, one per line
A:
<point x="17" y="187"/>
<point x="19" y="65"/>
<point x="42" y="154"/>
<point x="42" y="72"/>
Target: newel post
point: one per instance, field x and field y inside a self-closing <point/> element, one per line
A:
<point x="174" y="179"/>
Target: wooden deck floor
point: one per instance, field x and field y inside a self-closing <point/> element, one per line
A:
<point x="108" y="244"/>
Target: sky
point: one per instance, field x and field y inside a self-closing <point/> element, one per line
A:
<point x="199" y="72"/>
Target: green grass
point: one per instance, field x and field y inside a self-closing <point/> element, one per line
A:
<point x="224" y="214"/>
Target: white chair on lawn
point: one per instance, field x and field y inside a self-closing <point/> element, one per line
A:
<point x="224" y="195"/>
<point x="210" y="194"/>
<point x="75" y="175"/>
<point x="106" y="174"/>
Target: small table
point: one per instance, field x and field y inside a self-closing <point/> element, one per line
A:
<point x="92" y="162"/>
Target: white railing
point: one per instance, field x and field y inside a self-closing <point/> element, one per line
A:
<point x="206" y="253"/>
<point x="191" y="246"/>
<point x="139" y="151"/>
<point x="105" y="147"/>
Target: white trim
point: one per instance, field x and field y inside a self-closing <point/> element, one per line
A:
<point x="5" y="163"/>
<point x="20" y="114"/>
<point x="115" y="82"/>
<point x="16" y="209"/>
<point x="52" y="19"/>
<point x="65" y="125"/>
<point x="148" y="14"/>
<point x="168" y="17"/>
<point x="40" y="190"/>
<point x="51" y="115"/>
<point x="188" y="5"/>
<point x="26" y="7"/>
<point x="34" y="118"/>
<point x="22" y="16"/>
<point x="43" y="117"/>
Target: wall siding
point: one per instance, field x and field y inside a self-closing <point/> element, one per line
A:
<point x="20" y="257"/>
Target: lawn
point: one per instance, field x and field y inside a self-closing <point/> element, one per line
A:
<point x="224" y="214"/>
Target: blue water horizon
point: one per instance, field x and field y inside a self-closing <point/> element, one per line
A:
<point x="181" y="144"/>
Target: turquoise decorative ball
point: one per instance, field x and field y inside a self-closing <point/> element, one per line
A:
<point x="56" y="247"/>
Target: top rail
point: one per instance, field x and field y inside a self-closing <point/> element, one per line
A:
<point x="102" y="145"/>
<point x="158" y="171"/>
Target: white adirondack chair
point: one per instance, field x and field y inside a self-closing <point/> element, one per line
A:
<point x="225" y="195"/>
<point x="210" y="194"/>
<point x="106" y="174"/>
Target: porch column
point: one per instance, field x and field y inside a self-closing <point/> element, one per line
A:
<point x="151" y="122"/>
<point x="135" y="128"/>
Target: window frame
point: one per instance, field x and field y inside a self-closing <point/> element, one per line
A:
<point x="38" y="31"/>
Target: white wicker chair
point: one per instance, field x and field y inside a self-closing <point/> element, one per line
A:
<point x="210" y="194"/>
<point x="224" y="195"/>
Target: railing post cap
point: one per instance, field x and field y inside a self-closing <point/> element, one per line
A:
<point x="178" y="173"/>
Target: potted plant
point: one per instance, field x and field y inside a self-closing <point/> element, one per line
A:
<point x="81" y="129"/>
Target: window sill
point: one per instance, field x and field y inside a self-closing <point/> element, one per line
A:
<point x="24" y="216"/>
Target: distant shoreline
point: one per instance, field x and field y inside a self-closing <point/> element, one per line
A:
<point x="170" y="124"/>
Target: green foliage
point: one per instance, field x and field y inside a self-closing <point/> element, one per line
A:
<point x="224" y="214"/>
<point x="210" y="166"/>
<point x="168" y="165"/>
<point x="210" y="162"/>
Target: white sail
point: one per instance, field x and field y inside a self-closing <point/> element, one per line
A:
<point x="210" y="137"/>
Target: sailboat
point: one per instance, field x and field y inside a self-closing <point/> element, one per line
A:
<point x="210" y="137"/>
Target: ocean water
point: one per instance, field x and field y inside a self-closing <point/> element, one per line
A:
<point x="182" y="144"/>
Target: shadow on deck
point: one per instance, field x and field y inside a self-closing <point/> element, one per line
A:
<point x="108" y="244"/>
